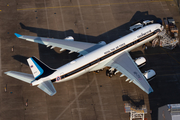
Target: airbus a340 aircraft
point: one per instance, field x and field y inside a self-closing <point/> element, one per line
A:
<point x="94" y="57"/>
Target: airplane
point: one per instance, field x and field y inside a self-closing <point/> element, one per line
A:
<point x="92" y="57"/>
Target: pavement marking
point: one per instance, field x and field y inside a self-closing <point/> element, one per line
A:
<point x="0" y="58"/>
<point x="104" y="22"/>
<point x="100" y="100"/>
<point x="74" y="100"/>
<point x="47" y="18"/>
<point x="164" y="8"/>
<point x="121" y="82"/>
<point x="121" y="3"/>
<point x="62" y="19"/>
<point x="79" y="6"/>
<point x="77" y="101"/>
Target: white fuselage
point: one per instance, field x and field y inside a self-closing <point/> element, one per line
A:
<point x="104" y="50"/>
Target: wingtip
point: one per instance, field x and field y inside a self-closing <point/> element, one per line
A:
<point x="151" y="91"/>
<point x="7" y="72"/>
<point x="17" y="35"/>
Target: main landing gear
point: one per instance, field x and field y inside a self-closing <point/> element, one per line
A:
<point x="111" y="72"/>
<point x="97" y="71"/>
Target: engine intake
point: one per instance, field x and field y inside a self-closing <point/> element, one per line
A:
<point x="141" y="61"/>
<point x="150" y="74"/>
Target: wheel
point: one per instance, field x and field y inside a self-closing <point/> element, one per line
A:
<point x="110" y="75"/>
<point x="107" y="72"/>
<point x="97" y="71"/>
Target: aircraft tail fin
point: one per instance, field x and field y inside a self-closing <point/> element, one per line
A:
<point x="38" y="68"/>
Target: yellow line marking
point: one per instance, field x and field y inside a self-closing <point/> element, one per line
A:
<point x="94" y="5"/>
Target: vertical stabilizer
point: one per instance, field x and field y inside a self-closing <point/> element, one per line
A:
<point x="38" y="68"/>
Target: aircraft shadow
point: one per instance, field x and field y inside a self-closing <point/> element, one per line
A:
<point x="134" y="102"/>
<point x="21" y="59"/>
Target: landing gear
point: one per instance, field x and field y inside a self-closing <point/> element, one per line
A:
<point x="110" y="75"/>
<point x="144" y="46"/>
<point x="111" y="72"/>
<point x="107" y="72"/>
<point x="97" y="71"/>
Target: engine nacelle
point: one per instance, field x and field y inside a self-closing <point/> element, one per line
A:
<point x="149" y="74"/>
<point x="141" y="61"/>
<point x="102" y="43"/>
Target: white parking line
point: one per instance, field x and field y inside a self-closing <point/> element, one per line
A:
<point x="100" y="100"/>
<point x="47" y="18"/>
<point x="0" y="58"/>
<point x="77" y="101"/>
<point x="62" y="19"/>
<point x="74" y="100"/>
<point x="82" y="20"/>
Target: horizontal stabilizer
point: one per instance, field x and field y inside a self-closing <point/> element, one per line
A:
<point x="47" y="87"/>
<point x="21" y="76"/>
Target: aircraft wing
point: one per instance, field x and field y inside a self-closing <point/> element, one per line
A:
<point x="125" y="64"/>
<point x="47" y="87"/>
<point x="65" y="44"/>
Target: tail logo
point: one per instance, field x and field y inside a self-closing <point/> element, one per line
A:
<point x="58" y="78"/>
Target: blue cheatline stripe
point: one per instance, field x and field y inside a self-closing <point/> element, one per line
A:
<point x="38" y="67"/>
<point x="17" y="35"/>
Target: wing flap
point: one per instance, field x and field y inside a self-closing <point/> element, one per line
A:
<point x="28" y="78"/>
<point x="47" y="87"/>
<point x="125" y="64"/>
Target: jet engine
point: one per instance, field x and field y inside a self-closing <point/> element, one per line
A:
<point x="150" y="74"/>
<point x="141" y="61"/>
